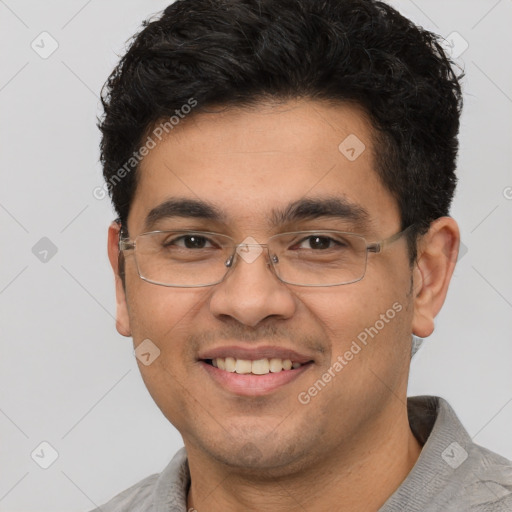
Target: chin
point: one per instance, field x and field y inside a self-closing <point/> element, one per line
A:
<point x="256" y="456"/>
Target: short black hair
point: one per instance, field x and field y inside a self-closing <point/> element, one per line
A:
<point x="239" y="53"/>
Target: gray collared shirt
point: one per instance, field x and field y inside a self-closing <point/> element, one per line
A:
<point x="452" y="473"/>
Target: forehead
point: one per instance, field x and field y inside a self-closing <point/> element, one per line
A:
<point x="250" y="163"/>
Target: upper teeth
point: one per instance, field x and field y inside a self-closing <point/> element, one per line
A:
<point x="258" y="367"/>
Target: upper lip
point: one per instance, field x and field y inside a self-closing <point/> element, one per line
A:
<point x="253" y="354"/>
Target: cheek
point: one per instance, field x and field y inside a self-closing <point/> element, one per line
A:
<point x="364" y="314"/>
<point x="343" y="309"/>
<point x="158" y="311"/>
<point x="164" y="316"/>
<point x="369" y="335"/>
<point x="169" y="390"/>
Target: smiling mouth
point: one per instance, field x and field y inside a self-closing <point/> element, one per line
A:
<point x="254" y="367"/>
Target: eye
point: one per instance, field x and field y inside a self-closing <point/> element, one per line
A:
<point x="320" y="242"/>
<point x="188" y="242"/>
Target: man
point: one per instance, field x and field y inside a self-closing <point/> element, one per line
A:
<point x="283" y="172"/>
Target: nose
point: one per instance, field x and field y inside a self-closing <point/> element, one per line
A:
<point x="251" y="292"/>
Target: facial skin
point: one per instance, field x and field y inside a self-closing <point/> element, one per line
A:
<point x="352" y="443"/>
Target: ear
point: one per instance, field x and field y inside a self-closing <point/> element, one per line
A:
<point x="122" y="317"/>
<point x="437" y="255"/>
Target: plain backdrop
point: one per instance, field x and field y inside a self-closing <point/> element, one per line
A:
<point x="68" y="379"/>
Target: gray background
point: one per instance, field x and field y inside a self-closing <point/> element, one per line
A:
<point x="68" y="378"/>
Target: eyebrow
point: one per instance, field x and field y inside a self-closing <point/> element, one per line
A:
<point x="187" y="208"/>
<point x="300" y="210"/>
<point x="338" y="208"/>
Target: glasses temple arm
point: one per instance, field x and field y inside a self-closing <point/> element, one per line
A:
<point x="380" y="246"/>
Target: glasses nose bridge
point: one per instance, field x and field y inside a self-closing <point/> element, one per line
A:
<point x="243" y="251"/>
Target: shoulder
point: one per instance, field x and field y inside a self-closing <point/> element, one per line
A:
<point x="460" y="475"/>
<point x="492" y="485"/>
<point x="484" y="482"/>
<point x="168" y="488"/>
<point x="137" y="498"/>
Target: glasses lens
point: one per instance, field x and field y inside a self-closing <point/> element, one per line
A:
<point x="306" y="258"/>
<point x="177" y="258"/>
<point x="325" y="258"/>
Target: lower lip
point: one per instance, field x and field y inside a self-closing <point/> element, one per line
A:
<point x="253" y="385"/>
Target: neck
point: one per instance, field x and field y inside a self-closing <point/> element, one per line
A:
<point x="358" y="478"/>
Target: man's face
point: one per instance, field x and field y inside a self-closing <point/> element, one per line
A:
<point x="249" y="165"/>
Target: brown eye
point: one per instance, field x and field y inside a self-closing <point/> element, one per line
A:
<point x="194" y="242"/>
<point x="188" y="242"/>
<point x="318" y="242"/>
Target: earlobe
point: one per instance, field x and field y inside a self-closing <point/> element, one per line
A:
<point x="437" y="256"/>
<point x="122" y="316"/>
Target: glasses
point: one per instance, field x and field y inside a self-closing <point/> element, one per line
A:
<point x="188" y="259"/>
